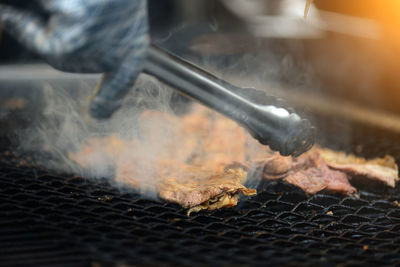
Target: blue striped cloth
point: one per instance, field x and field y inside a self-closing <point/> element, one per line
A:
<point x="88" y="36"/>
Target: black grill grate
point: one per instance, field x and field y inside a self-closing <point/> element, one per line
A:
<point x="49" y="219"/>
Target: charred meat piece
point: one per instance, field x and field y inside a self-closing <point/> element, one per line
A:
<point x="312" y="174"/>
<point x="325" y="169"/>
<point x="205" y="190"/>
<point x="190" y="161"/>
<point x="273" y="167"/>
<point x="379" y="169"/>
<point x="202" y="161"/>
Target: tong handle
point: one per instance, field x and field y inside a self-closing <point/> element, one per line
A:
<point x="282" y="130"/>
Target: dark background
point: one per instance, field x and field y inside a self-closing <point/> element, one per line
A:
<point x="337" y="65"/>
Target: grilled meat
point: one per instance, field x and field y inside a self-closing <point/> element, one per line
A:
<point x="206" y="190"/>
<point x="202" y="161"/>
<point x="274" y="166"/>
<point x="312" y="174"/>
<point x="325" y="169"/>
<point x="379" y="169"/>
<point x="189" y="161"/>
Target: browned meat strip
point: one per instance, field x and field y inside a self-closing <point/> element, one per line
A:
<point x="311" y="174"/>
<point x="202" y="186"/>
<point x="201" y="161"/>
<point x="190" y="162"/>
<point x="273" y="167"/>
<point x="379" y="169"/>
<point x="277" y="165"/>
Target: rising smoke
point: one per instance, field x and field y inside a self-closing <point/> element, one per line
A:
<point x="64" y="125"/>
<point x="63" y="131"/>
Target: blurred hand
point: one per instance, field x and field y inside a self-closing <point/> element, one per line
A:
<point x="87" y="36"/>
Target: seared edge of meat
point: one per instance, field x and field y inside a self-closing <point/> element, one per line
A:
<point x="384" y="169"/>
<point x="312" y="174"/>
<point x="325" y="169"/>
<point x="217" y="191"/>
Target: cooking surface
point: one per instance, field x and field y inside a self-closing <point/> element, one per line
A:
<point x="61" y="219"/>
<point x="50" y="218"/>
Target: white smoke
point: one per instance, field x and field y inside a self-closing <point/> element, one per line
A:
<point x="64" y="125"/>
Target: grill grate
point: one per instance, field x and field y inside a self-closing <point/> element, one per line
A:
<point x="50" y="219"/>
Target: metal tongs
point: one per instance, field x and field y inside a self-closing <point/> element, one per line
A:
<point x="276" y="127"/>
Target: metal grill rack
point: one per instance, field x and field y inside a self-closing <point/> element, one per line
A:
<point x="51" y="219"/>
<point x="58" y="219"/>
